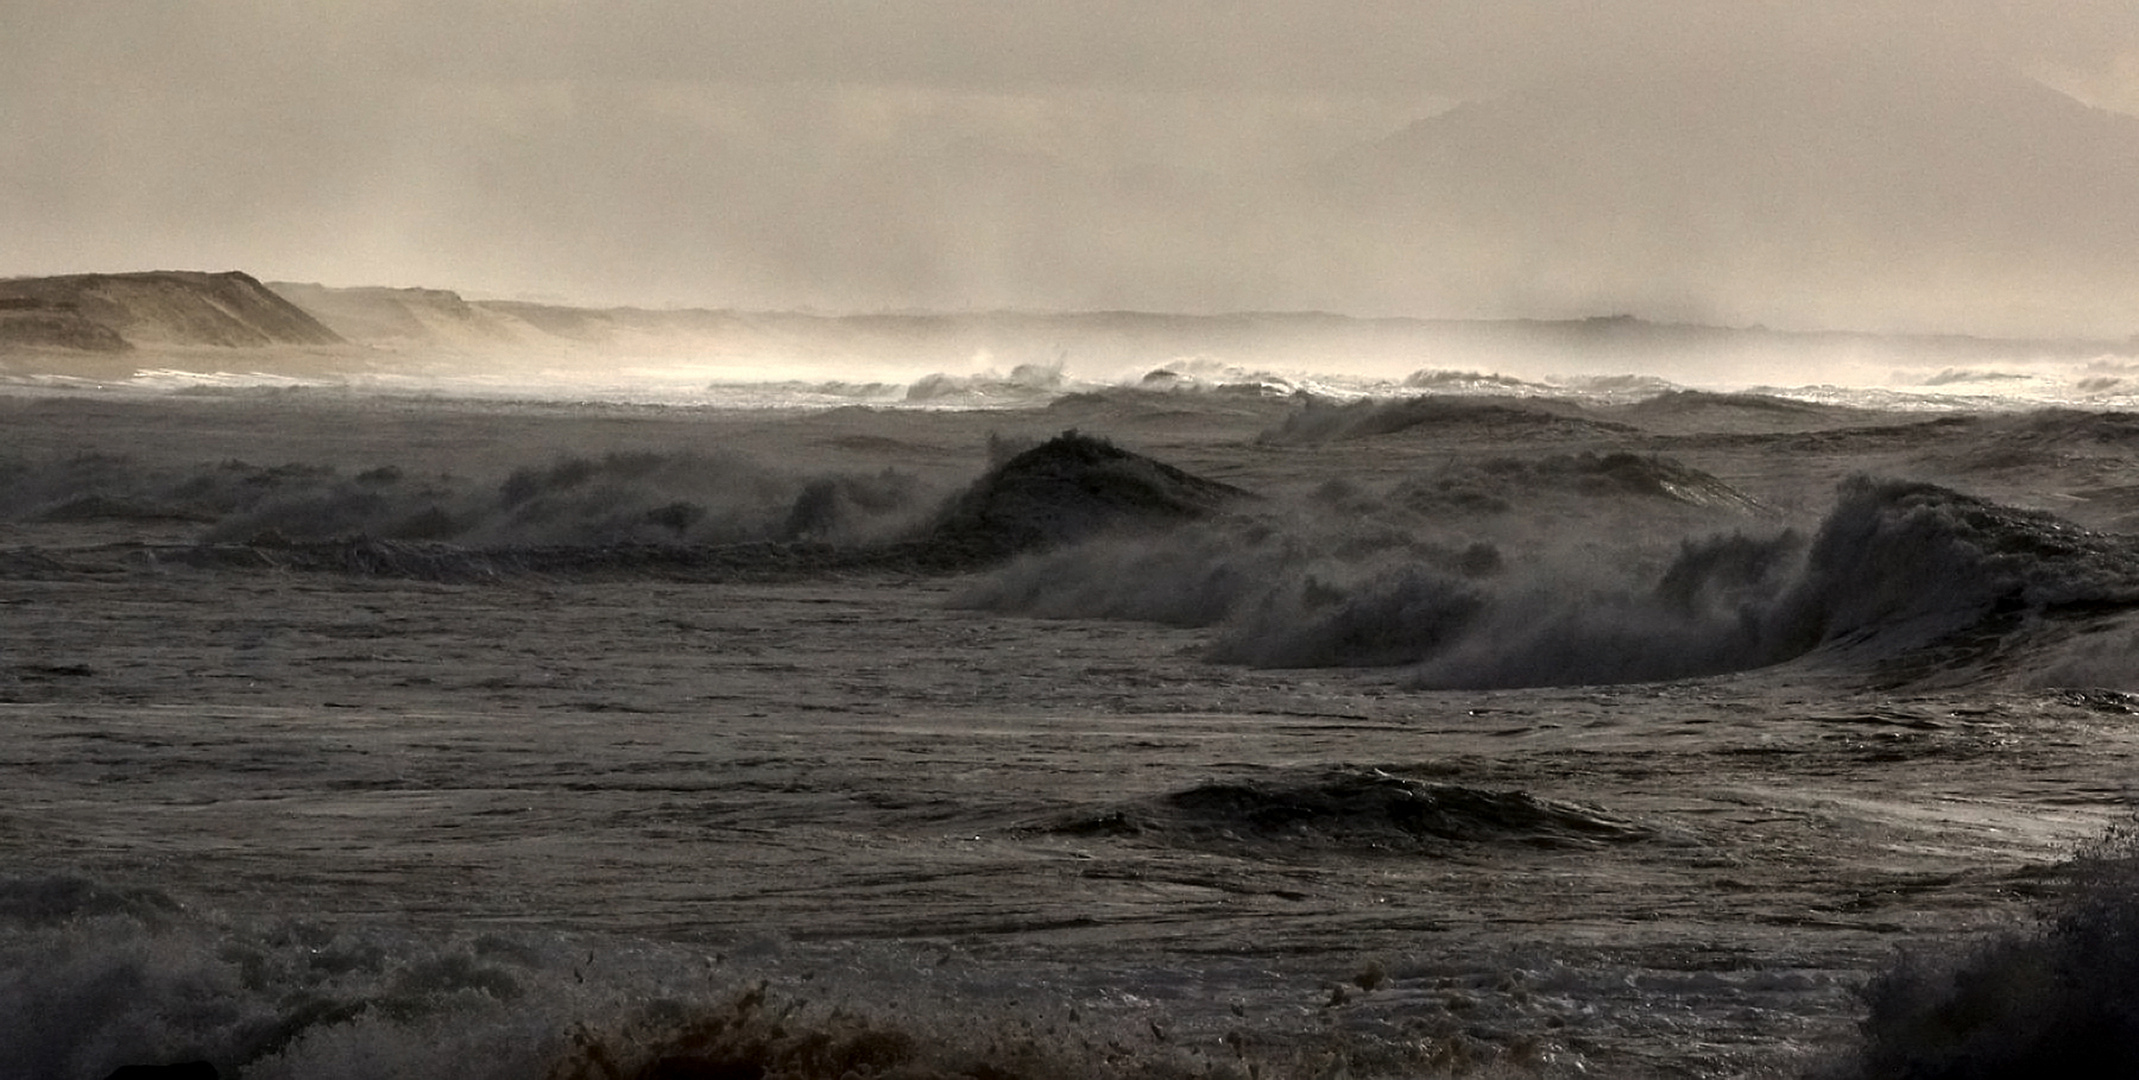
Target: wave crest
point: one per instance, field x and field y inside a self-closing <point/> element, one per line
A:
<point x="1907" y="580"/>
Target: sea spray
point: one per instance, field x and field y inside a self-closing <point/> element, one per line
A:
<point x="1898" y="574"/>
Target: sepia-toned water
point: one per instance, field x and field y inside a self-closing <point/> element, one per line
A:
<point x="1241" y="734"/>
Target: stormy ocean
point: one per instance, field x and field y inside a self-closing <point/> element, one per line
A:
<point x="1203" y="724"/>
<point x="962" y="540"/>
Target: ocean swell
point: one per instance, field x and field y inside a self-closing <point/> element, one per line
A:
<point x="614" y="498"/>
<point x="1352" y="810"/>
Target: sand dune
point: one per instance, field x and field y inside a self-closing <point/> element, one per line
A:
<point x="171" y="307"/>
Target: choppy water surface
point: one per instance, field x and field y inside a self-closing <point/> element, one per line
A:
<point x="354" y="737"/>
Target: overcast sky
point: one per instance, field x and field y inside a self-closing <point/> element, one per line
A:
<point x="1063" y="154"/>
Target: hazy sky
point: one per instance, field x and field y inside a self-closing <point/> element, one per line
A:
<point x="1076" y="153"/>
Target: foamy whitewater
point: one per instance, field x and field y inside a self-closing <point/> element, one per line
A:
<point x="1183" y="720"/>
<point x="2104" y="382"/>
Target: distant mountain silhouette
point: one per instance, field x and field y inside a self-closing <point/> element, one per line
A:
<point x="1748" y="170"/>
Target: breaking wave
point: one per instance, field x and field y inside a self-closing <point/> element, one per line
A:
<point x="1026" y="384"/>
<point x="1907" y="580"/>
<point x="689" y="516"/>
<point x="95" y="978"/>
<point x="1448" y="381"/>
<point x="616" y="498"/>
<point x="1275" y="597"/>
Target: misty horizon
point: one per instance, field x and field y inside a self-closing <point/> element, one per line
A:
<point x="1914" y="169"/>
